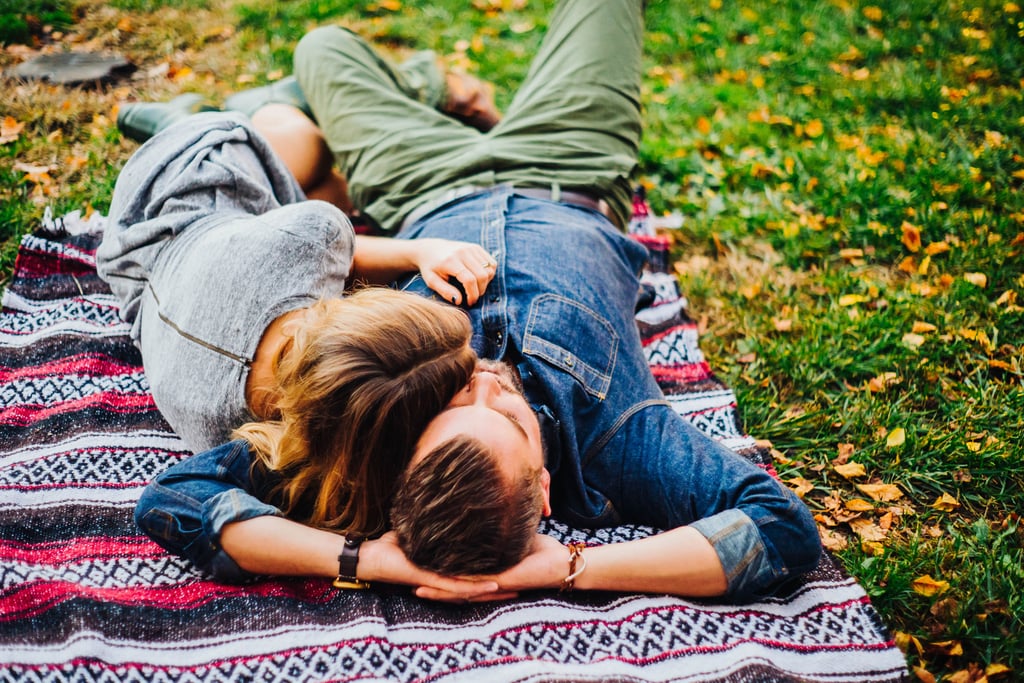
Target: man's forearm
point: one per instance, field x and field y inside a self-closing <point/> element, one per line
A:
<point x="680" y="562"/>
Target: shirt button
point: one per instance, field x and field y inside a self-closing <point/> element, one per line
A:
<point x="498" y="337"/>
<point x="495" y="298"/>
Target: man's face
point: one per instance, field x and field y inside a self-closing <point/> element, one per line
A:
<point x="493" y="410"/>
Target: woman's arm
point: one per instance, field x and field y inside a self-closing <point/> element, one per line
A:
<point x="205" y="510"/>
<point x="278" y="546"/>
<point x="380" y="260"/>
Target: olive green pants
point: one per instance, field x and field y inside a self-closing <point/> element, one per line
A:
<point x="573" y="125"/>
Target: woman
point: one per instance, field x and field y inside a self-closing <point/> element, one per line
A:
<point x="232" y="285"/>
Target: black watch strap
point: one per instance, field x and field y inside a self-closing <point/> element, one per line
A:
<point x="348" y="560"/>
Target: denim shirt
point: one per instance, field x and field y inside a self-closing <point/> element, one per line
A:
<point x="560" y="308"/>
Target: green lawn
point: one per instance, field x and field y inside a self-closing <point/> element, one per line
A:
<point x="850" y="178"/>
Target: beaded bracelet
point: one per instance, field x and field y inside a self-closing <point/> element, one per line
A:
<point x="575" y="557"/>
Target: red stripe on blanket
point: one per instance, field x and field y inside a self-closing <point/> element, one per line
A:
<point x="32" y="263"/>
<point x="689" y="372"/>
<point x="32" y="598"/>
<point x="91" y="364"/>
<point x="79" y="549"/>
<point x="25" y="414"/>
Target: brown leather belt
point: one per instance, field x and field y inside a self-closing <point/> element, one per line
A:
<point x="552" y="194"/>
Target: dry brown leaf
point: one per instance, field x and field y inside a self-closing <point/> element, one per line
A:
<point x="844" y="451"/>
<point x="782" y="324"/>
<point x="881" y="492"/>
<point x="868" y="530"/>
<point x="833" y="540"/>
<point x="858" y="505"/>
<point x="10" y="129"/>
<point x="800" y="486"/>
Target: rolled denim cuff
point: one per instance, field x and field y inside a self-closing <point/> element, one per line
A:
<point x="225" y="508"/>
<point x="737" y="542"/>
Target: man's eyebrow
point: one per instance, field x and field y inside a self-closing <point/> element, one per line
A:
<point x="515" y="421"/>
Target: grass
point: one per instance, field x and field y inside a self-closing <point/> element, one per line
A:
<point x="850" y="175"/>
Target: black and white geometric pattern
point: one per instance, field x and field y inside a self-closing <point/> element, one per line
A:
<point x="85" y="597"/>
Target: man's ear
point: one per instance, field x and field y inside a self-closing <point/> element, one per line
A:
<point x="545" y="485"/>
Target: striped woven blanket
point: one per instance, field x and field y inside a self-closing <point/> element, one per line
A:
<point x="85" y="597"/>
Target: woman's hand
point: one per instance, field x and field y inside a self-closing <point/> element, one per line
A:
<point x="545" y="567"/>
<point x="470" y="264"/>
<point x="382" y="560"/>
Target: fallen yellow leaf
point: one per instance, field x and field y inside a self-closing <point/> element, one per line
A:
<point x="937" y="248"/>
<point x="946" y="503"/>
<point x="858" y="505"/>
<point x="881" y="492"/>
<point x="977" y="279"/>
<point x="951" y="648"/>
<point x="882" y="382"/>
<point x="851" y="470"/>
<point x="976" y="336"/>
<point x="814" y="128"/>
<point x="896" y="438"/>
<point x="905" y="640"/>
<point x="997" y="669"/>
<point x="973" y="446"/>
<point x="912" y="340"/>
<point x="927" y="586"/>
<point x="923" y="675"/>
<point x="853" y="299"/>
<point x="922" y="327"/>
<point x="1007" y="298"/>
<point x="911" y="236"/>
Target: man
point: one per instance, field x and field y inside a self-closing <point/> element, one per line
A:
<point x="559" y="310"/>
<point x="590" y="436"/>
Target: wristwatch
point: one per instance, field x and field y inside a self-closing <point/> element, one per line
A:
<point x="347" y="562"/>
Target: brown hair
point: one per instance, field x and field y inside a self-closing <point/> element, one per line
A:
<point x="363" y="377"/>
<point x="456" y="514"/>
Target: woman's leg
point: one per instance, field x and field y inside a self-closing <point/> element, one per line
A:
<point x="301" y="146"/>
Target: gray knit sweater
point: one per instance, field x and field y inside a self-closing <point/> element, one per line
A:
<point x="209" y="239"/>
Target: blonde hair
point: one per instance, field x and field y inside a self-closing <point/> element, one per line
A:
<point x="363" y="377"/>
